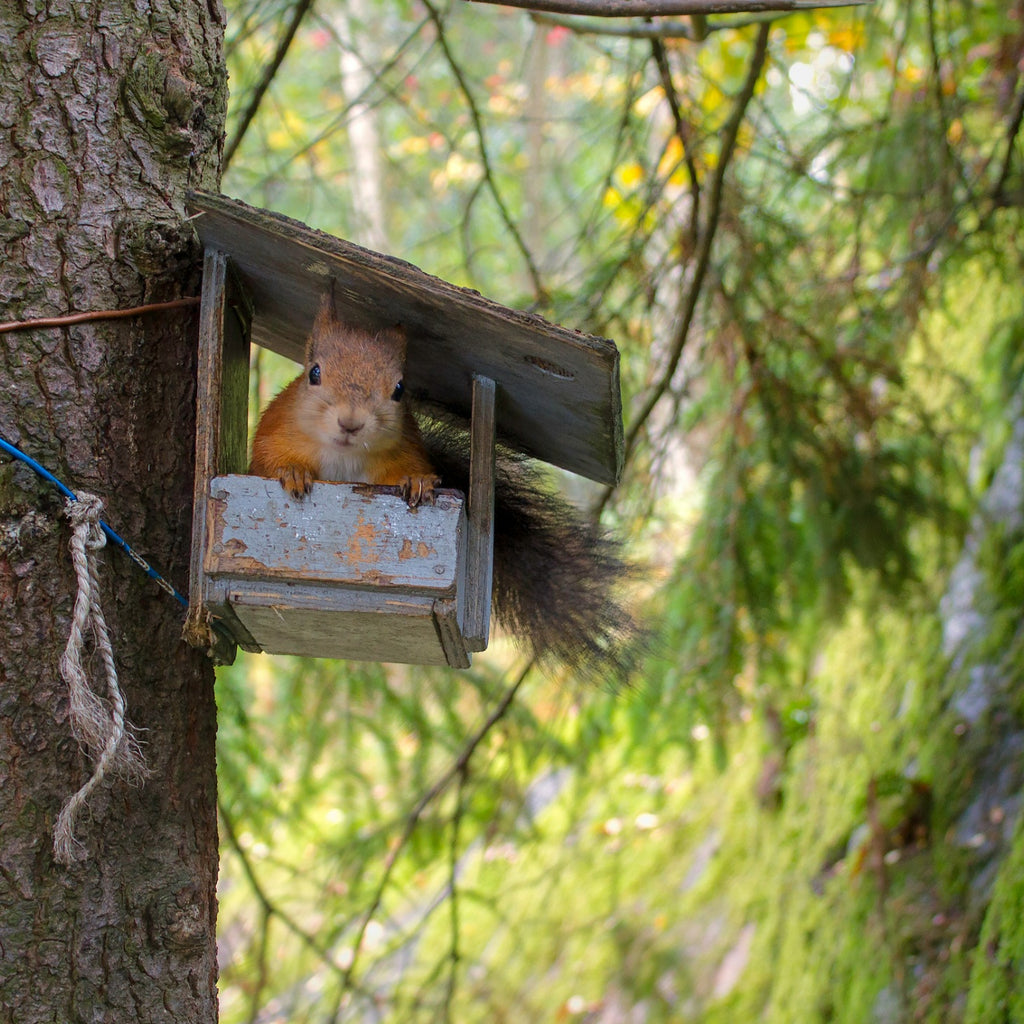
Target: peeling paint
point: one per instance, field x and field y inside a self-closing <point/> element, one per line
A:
<point x="362" y="545"/>
<point x="421" y="550"/>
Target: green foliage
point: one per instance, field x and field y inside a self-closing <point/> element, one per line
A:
<point x="995" y="991"/>
<point x="816" y="299"/>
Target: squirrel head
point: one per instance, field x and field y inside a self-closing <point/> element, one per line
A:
<point x="352" y="388"/>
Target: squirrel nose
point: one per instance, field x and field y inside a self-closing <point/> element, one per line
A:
<point x="350" y="426"/>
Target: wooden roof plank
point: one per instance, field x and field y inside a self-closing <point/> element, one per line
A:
<point x="557" y="389"/>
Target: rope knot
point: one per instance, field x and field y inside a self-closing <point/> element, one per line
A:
<point x="85" y="512"/>
<point x="98" y="723"/>
<point x="86" y="509"/>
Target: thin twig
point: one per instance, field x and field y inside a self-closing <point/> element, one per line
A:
<point x="262" y="972"/>
<point x="340" y="120"/>
<point x="299" y="12"/>
<point x="729" y="134"/>
<point x="540" y="292"/>
<point x="1012" y="130"/>
<point x="455" y="771"/>
<point x="940" y="97"/>
<point x="266" y="904"/>
<point x="683" y="132"/>
<point x="97" y="314"/>
<point x="453" y="895"/>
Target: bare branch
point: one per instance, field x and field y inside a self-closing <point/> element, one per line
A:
<point x="539" y="290"/>
<point x="456" y="771"/>
<point x="645" y="29"/>
<point x="655" y="8"/>
<point x="682" y="332"/>
<point x="299" y="12"/>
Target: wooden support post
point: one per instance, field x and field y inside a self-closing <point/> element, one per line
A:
<point x="480" y="524"/>
<point x="222" y="406"/>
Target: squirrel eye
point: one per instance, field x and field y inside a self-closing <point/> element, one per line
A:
<point x="314" y="374"/>
<point x="396" y="395"/>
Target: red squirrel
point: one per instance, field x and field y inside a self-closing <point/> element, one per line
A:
<point x="347" y="417"/>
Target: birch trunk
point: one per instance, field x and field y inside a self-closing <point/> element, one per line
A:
<point x="356" y="61"/>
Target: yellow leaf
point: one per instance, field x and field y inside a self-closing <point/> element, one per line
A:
<point x="415" y="145"/>
<point x="672" y="157"/>
<point x="849" y="38"/>
<point x="612" y="198"/>
<point x="648" y="103"/>
<point x="630" y="174"/>
<point x="279" y="139"/>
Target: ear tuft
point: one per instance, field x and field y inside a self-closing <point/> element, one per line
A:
<point x="327" y="315"/>
<point x="394" y="337"/>
<point x="325" y="319"/>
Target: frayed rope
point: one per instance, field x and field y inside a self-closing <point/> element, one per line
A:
<point x="99" y="725"/>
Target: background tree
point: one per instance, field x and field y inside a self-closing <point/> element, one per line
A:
<point x="109" y="113"/>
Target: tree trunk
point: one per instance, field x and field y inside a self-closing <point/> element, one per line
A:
<point x="108" y="113"/>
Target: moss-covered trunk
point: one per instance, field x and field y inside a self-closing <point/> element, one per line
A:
<point x="108" y="113"/>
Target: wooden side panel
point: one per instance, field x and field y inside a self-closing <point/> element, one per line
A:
<point x="220" y="416"/>
<point x="321" y="623"/>
<point x="557" y="390"/>
<point x="450" y="635"/>
<point x="480" y="522"/>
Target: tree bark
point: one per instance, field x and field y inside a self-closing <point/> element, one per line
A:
<point x="108" y="113"/>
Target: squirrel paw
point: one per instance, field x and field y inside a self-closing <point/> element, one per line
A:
<point x="419" y="489"/>
<point x="296" y="480"/>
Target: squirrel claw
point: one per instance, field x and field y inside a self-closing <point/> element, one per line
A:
<point x="418" y="489"/>
<point x="298" y="482"/>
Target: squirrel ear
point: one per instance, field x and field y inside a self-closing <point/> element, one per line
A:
<point x="326" y="318"/>
<point x="328" y="312"/>
<point x="396" y="336"/>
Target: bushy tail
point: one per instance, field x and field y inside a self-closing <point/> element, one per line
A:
<point x="557" y="576"/>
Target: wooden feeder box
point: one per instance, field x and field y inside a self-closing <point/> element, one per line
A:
<point x="351" y="571"/>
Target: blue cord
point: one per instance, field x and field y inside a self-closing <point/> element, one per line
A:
<point x="122" y="544"/>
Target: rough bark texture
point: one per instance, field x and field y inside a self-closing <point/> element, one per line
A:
<point x="109" y="111"/>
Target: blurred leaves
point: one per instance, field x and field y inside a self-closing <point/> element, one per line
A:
<point x="815" y="293"/>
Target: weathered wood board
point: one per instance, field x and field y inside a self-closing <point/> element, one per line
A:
<point x="300" y="621"/>
<point x="343" y="534"/>
<point x="222" y="401"/>
<point x="480" y="524"/>
<point x="346" y="572"/>
<point x="557" y="390"/>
